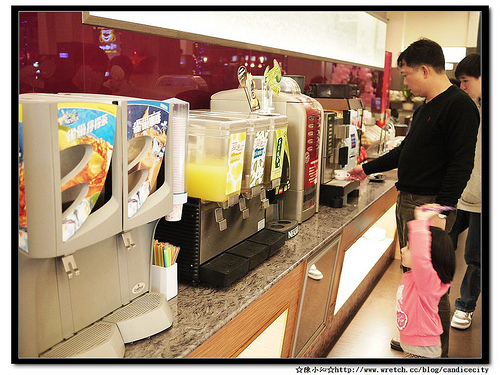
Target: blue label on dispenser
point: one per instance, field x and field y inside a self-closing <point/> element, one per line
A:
<point x="87" y="122"/>
<point x="147" y="119"/>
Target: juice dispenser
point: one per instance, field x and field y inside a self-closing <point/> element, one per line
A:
<point x="304" y="131"/>
<point x="224" y="207"/>
<point x="275" y="154"/>
<point x="216" y="148"/>
<point x="254" y="172"/>
<point x="277" y="174"/>
<point x="255" y="156"/>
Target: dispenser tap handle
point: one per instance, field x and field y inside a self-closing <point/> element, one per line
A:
<point x="70" y="267"/>
<point x="243" y="208"/>
<point x="128" y="240"/>
<point x="263" y="199"/>
<point x="220" y="219"/>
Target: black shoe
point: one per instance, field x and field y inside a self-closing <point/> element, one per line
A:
<point x="396" y="345"/>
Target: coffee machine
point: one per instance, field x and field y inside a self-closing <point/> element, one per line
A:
<point x="341" y="141"/>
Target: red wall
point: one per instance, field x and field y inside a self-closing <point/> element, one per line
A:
<point x="60" y="54"/>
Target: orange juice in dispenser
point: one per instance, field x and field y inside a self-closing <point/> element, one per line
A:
<point x="216" y="147"/>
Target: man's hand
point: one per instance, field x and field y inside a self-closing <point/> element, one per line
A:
<point x="357" y="173"/>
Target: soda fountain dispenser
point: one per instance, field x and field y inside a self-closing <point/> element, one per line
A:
<point x="91" y="309"/>
<point x="55" y="226"/>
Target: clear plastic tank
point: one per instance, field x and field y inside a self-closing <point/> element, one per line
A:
<point x="216" y="146"/>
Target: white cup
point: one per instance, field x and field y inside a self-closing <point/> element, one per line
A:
<point x="341" y="175"/>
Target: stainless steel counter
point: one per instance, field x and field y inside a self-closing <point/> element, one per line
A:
<point x="201" y="311"/>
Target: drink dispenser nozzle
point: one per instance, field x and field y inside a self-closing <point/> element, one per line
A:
<point x="243" y="208"/>
<point x="178" y="118"/>
<point x="264" y="201"/>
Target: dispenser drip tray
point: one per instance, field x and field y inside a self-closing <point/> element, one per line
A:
<point x="255" y="252"/>
<point x="274" y="240"/>
<point x="334" y="193"/>
<point x="143" y="317"/>
<point x="100" y="340"/>
<point x="224" y="269"/>
<point x="238" y="260"/>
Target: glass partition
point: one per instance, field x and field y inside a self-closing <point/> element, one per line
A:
<point x="57" y="53"/>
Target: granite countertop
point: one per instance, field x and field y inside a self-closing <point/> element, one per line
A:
<point x="200" y="311"/>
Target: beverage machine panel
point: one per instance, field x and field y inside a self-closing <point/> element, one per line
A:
<point x="340" y="149"/>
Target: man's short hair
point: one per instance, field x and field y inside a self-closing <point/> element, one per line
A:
<point x="423" y="52"/>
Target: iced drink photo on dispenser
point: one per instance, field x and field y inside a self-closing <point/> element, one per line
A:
<point x="86" y="136"/>
<point x="147" y="124"/>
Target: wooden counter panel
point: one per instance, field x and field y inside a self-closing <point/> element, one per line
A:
<point x="336" y="323"/>
<point x="356" y="228"/>
<point x="235" y="336"/>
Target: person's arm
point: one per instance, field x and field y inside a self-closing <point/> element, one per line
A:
<point x="384" y="163"/>
<point x="419" y="238"/>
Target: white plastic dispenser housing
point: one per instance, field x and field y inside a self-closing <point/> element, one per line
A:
<point x="93" y="279"/>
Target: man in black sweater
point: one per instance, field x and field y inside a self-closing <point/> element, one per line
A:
<point x="436" y="158"/>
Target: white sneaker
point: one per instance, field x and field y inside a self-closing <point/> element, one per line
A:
<point x="461" y="319"/>
<point x="314" y="273"/>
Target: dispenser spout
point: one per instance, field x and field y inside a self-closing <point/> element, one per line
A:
<point x="220" y="219"/>
<point x="243" y="208"/>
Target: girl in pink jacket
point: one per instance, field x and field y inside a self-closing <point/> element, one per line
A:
<point x="431" y="257"/>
